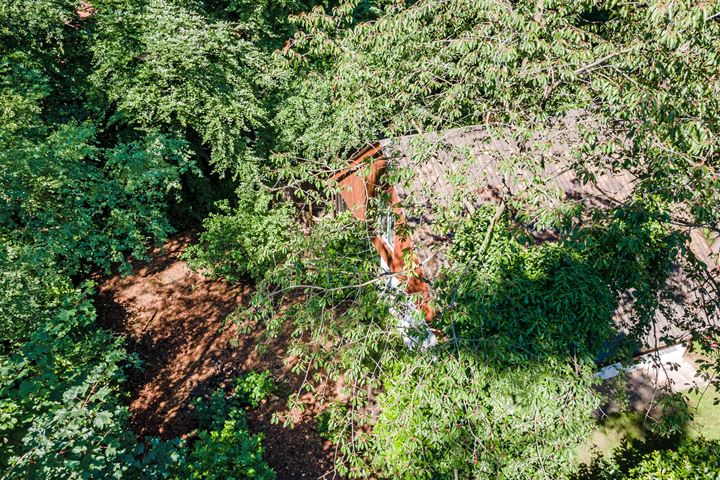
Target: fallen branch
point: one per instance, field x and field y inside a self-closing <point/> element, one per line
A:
<point x="383" y="276"/>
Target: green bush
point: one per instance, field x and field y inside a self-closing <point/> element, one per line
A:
<point x="228" y="451"/>
<point x="244" y="241"/>
<point x="254" y="387"/>
<point x="224" y="447"/>
<point x="32" y="291"/>
<point x="697" y="459"/>
<point x="60" y="414"/>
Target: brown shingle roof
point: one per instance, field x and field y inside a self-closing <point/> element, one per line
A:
<point x="470" y="165"/>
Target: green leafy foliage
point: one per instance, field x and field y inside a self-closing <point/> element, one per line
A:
<point x="83" y="203"/>
<point x="32" y="289"/>
<point x="527" y="324"/>
<point x="169" y="64"/>
<point x="446" y="414"/>
<point x="528" y="321"/>
<point x="124" y="191"/>
<point x="224" y="447"/>
<point x="228" y="452"/>
<point x="221" y="448"/>
<point x="636" y="72"/>
<point x="245" y="241"/>
<point x="87" y="177"/>
<point x="115" y="112"/>
<point x="254" y="387"/>
<point x="528" y="302"/>
<point x="59" y="403"/>
<point x="263" y="22"/>
<point x="525" y="328"/>
<point x="484" y="406"/>
<point x="691" y="460"/>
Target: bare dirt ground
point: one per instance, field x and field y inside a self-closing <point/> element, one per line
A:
<point x="175" y="320"/>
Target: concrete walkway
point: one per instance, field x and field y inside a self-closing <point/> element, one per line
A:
<point x="669" y="368"/>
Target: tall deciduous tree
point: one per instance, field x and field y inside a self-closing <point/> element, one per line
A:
<point x="642" y="80"/>
<point x="108" y="111"/>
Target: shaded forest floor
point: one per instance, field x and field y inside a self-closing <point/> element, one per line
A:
<point x="175" y="321"/>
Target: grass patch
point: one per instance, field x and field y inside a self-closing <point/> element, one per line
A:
<point x="611" y="432"/>
<point x="706" y="414"/>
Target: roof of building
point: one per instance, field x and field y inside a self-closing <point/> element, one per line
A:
<point x="472" y="166"/>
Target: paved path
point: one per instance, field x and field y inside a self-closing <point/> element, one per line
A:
<point x="671" y="367"/>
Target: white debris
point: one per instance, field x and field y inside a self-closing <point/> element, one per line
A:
<point x="414" y="330"/>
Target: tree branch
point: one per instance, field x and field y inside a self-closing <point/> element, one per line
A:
<point x="481" y="251"/>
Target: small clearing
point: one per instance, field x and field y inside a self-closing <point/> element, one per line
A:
<point x="175" y="321"/>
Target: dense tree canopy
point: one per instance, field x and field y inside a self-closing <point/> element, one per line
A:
<point x="122" y="121"/>
<point x="103" y="133"/>
<point x="641" y="78"/>
<point x="636" y="71"/>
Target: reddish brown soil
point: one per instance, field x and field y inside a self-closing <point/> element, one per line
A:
<point x="175" y="320"/>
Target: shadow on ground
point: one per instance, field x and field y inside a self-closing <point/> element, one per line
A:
<point x="175" y="321"/>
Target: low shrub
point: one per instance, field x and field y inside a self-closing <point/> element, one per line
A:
<point x="244" y="241"/>
<point x="254" y="387"/>
<point x="690" y="460"/>
<point x="223" y="448"/>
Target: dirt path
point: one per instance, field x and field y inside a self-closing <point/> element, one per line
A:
<point x="174" y="319"/>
